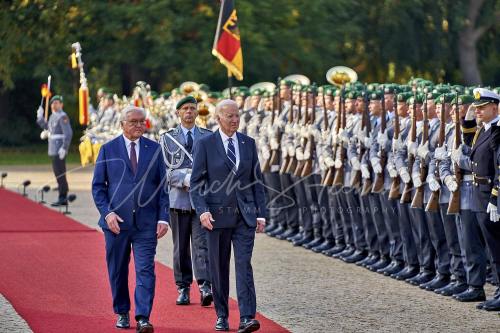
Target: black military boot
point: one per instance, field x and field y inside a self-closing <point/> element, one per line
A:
<point x="408" y="272"/>
<point x="297" y="236"/>
<point x="339" y="247"/>
<point x="277" y="231"/>
<point x="325" y="246"/>
<point x="318" y="239"/>
<point x="369" y="260"/>
<point x="349" y="250"/>
<point x="358" y="255"/>
<point x="288" y="233"/>
<point x="306" y="238"/>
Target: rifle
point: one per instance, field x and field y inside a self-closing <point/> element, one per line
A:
<point x="433" y="204"/>
<point x="309" y="147"/>
<point x="303" y="141"/>
<point x="418" y="198"/>
<point x="292" y="165"/>
<point x="406" y="196"/>
<point x="329" y="176"/>
<point x="454" y="204"/>
<point x="338" y="180"/>
<point x="394" y="192"/>
<point x="288" y="158"/>
<point x="367" y="183"/>
<point x="274" y="158"/>
<point x="378" y="184"/>
<point x="356" y="178"/>
<point x="266" y="167"/>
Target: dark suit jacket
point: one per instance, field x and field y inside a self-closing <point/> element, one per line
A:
<point x="215" y="188"/>
<point x="115" y="188"/>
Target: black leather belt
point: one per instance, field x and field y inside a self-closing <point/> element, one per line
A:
<point x="479" y="180"/>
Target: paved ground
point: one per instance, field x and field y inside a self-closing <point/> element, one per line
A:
<point x="304" y="291"/>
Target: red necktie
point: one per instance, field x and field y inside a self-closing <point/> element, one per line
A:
<point x="133" y="157"/>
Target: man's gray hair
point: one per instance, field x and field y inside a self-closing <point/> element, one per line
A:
<point x="225" y="103"/>
<point x="129" y="109"/>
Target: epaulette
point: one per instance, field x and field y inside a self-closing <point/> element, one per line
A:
<point x="173" y="131"/>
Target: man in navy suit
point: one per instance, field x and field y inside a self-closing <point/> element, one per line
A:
<point x="227" y="192"/>
<point x="129" y="191"/>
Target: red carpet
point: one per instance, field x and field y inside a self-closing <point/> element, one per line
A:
<point x="53" y="272"/>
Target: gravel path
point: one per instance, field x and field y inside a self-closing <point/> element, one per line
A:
<point x="304" y="291"/>
<point x="10" y="320"/>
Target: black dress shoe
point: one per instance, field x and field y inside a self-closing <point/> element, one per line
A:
<point x="439" y="281"/>
<point x="422" y="277"/>
<point x="452" y="288"/>
<point x="206" y="296"/>
<point x="287" y="233"/>
<point x="222" y="324"/>
<point x="492" y="305"/>
<point x="336" y="249"/>
<point x="408" y="272"/>
<point x="325" y="246"/>
<point x="368" y="261"/>
<point x="60" y="202"/>
<point x="315" y="242"/>
<point x="381" y="263"/>
<point x="348" y="250"/>
<point x="277" y="231"/>
<point x="248" y="325"/>
<point x="183" y="298"/>
<point x="270" y="227"/>
<point x="303" y="240"/>
<point x="472" y="294"/>
<point x="395" y="267"/>
<point x="355" y="257"/>
<point x="123" y="321"/>
<point x="144" y="326"/>
<point x="295" y="234"/>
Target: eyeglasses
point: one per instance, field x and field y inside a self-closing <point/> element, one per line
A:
<point x="136" y="122"/>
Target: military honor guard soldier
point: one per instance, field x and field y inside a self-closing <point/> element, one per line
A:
<point x="177" y="145"/>
<point x="57" y="130"/>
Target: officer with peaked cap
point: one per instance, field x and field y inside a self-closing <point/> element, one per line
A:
<point x="57" y="130"/>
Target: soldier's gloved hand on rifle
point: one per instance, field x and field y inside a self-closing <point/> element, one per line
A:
<point x="44" y="135"/>
<point x="423" y="150"/>
<point x="355" y="163"/>
<point x="338" y="163"/>
<point x="39" y="113"/>
<point x="299" y="153"/>
<point x="415" y="177"/>
<point x="187" y="179"/>
<point x="433" y="183"/>
<point x="440" y="153"/>
<point x="367" y="141"/>
<point x="451" y="183"/>
<point x="397" y="144"/>
<point x="365" y="173"/>
<point x="456" y="154"/>
<point x="382" y="138"/>
<point x="471" y="113"/>
<point x="405" y="175"/>
<point x="274" y="144"/>
<point x="62" y="153"/>
<point x="412" y="148"/>
<point x="391" y="168"/>
<point x="492" y="210"/>
<point x="266" y="154"/>
<point x="376" y="166"/>
<point x="329" y="161"/>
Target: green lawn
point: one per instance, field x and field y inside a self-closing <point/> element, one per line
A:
<point x="30" y="155"/>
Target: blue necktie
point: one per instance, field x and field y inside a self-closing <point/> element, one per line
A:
<point x="231" y="154"/>
<point x="189" y="145"/>
<point x="133" y="158"/>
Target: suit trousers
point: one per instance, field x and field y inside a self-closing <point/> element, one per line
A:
<point x="391" y="218"/>
<point x="368" y="225"/>
<point x="242" y="238"/>
<point x="353" y="206"/>
<point x="380" y="228"/>
<point x="473" y="248"/>
<point x="186" y="231"/>
<point x="118" y="249"/>
<point x="426" y="253"/>
<point x="273" y="189"/>
<point x="451" y="232"/>
<point x="491" y="233"/>
<point x="289" y="202"/>
<point x="335" y="219"/>
<point x="438" y="239"/>
<point x="59" y="168"/>
<point x="407" y="238"/>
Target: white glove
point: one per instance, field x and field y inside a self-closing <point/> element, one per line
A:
<point x="299" y="153"/>
<point x="291" y="150"/>
<point x="382" y="138"/>
<point x="451" y="183"/>
<point x="338" y="163"/>
<point x="365" y="173"/>
<point x="405" y="175"/>
<point x="433" y="183"/>
<point x="367" y="141"/>
<point x="355" y="163"/>
<point x="391" y="168"/>
<point x="397" y="144"/>
<point x="456" y="154"/>
<point x="266" y="153"/>
<point x="417" y="182"/>
<point x="44" y="135"/>
<point x="62" y="153"/>
<point x="377" y="168"/>
<point x="492" y="210"/>
<point x="329" y="161"/>
<point x="274" y="144"/>
<point x="471" y="113"/>
<point x="423" y="150"/>
<point x="334" y="138"/>
<point x="187" y="180"/>
<point x="412" y="148"/>
<point x="39" y="113"/>
<point x="440" y="153"/>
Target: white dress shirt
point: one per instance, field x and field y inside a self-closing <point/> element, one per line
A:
<point x="488" y="124"/>
<point x="225" y="141"/>
<point x="185" y="132"/>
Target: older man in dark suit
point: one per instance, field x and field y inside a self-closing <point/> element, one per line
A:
<point x="129" y="191"/>
<point x="227" y="191"/>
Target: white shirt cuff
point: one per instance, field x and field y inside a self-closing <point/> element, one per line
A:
<point x="261" y="219"/>
<point x="163" y="222"/>
<point x="106" y="217"/>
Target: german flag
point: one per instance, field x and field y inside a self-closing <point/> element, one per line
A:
<point x="227" y="45"/>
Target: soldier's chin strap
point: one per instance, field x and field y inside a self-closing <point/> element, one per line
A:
<point x="178" y="144"/>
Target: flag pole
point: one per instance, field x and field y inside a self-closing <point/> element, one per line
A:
<point x="230" y="83"/>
